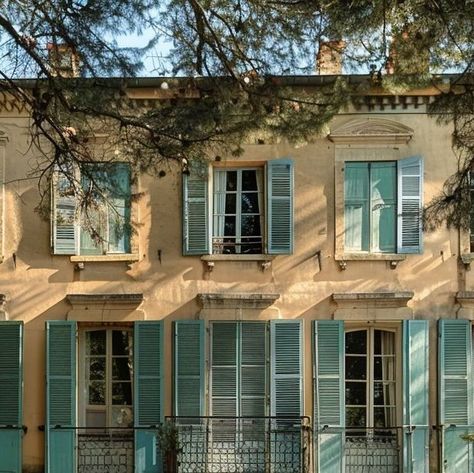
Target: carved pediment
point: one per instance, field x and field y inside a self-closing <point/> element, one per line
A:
<point x="371" y="130"/>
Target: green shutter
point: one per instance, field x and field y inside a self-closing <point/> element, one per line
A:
<point x="280" y="206"/>
<point x="189" y="387"/>
<point x="455" y="391"/>
<point x="415" y="396"/>
<point x="11" y="395"/>
<point x="60" y="396"/>
<point x="410" y="205"/>
<point x="195" y="214"/>
<point x="148" y="394"/>
<point x="328" y="395"/>
<point x="286" y="337"/>
<point x="64" y="229"/>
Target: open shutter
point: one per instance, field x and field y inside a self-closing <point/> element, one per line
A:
<point x="286" y="368"/>
<point x="328" y="395"/>
<point x="63" y="219"/>
<point x="11" y="395"/>
<point x="195" y="214"/>
<point x="148" y="394"/>
<point x="60" y="396"/>
<point x="455" y="391"/>
<point x="189" y="387"/>
<point x="415" y="396"/>
<point x="410" y="204"/>
<point x="280" y="206"/>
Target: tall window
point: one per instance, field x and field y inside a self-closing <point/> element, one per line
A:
<point x="370" y="382"/>
<point x="238" y="211"/>
<point x="370" y="196"/>
<point x="108" y="378"/>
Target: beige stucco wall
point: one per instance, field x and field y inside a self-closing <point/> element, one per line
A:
<point x="36" y="283"/>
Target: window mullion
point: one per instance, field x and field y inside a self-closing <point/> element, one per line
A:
<point x="238" y="210"/>
<point x="370" y="378"/>
<point x="108" y="384"/>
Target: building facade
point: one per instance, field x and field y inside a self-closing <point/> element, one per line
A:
<point x="283" y="311"/>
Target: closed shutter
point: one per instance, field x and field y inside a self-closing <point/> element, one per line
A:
<point x="455" y="391"/>
<point x="415" y="396"/>
<point x="64" y="229"/>
<point x="189" y="388"/>
<point x="11" y="395"/>
<point x="328" y="395"/>
<point x="60" y="396"/>
<point x="195" y="214"/>
<point x="410" y="204"/>
<point x="280" y="206"/>
<point x="148" y="394"/>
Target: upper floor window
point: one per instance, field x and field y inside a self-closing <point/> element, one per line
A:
<point x="239" y="210"/>
<point x="91" y="210"/>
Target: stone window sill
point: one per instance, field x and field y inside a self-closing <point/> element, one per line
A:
<point x="110" y="258"/>
<point x="236" y="257"/>
<point x="370" y="257"/>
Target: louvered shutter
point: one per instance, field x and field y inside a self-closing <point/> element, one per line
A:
<point x="415" y="396"/>
<point x="455" y="391"/>
<point x="60" y="396"/>
<point x="410" y="204"/>
<point x="64" y="229"/>
<point x="195" y="214"/>
<point x="148" y="394"/>
<point x="328" y="395"/>
<point x="189" y="388"/>
<point x="280" y="206"/>
<point x="11" y="395"/>
<point x="224" y="369"/>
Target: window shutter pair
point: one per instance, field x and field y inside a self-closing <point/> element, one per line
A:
<point x="455" y="395"/>
<point x="279" y="218"/>
<point x="61" y="402"/>
<point x="11" y="396"/>
<point x="238" y="368"/>
<point x="329" y="402"/>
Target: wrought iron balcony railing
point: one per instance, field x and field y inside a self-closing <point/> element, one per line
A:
<point x="242" y="444"/>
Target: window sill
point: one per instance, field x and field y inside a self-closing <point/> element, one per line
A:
<point x="110" y="258"/>
<point x="393" y="258"/>
<point x="237" y="257"/>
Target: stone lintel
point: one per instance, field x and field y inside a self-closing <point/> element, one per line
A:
<point x="236" y="301"/>
<point x="105" y="299"/>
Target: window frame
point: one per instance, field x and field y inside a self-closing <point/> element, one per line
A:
<point x="74" y="217"/>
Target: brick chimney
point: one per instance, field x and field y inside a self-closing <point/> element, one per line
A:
<point x="63" y="60"/>
<point x="329" y="58"/>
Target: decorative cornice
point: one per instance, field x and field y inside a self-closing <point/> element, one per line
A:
<point x="102" y="299"/>
<point x="236" y="301"/>
<point x="371" y="130"/>
<point x="377" y="299"/>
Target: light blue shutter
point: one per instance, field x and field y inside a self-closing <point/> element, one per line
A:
<point x="195" y="214"/>
<point x="410" y="205"/>
<point x="11" y="395"/>
<point x="148" y="394"/>
<point x="189" y="387"/>
<point x="415" y="396"/>
<point x="63" y="219"/>
<point x="455" y="391"/>
<point x="329" y="410"/>
<point x="280" y="206"/>
<point x="60" y="396"/>
<point x="286" y="338"/>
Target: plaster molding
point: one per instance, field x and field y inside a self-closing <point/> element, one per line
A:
<point x="379" y="299"/>
<point x="236" y="300"/>
<point x="3" y="138"/>
<point x="371" y="131"/>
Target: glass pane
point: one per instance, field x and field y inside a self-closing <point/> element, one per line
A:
<point x="356" y="367"/>
<point x="384" y="342"/>
<point x="249" y="180"/>
<point x="356" y="393"/>
<point x="95" y="342"/>
<point x="356" y="342"/>
<point x="96" y="369"/>
<point x="384" y="417"/>
<point x="230" y="203"/>
<point x="384" y="393"/>
<point x="250" y="225"/>
<point x="356" y="227"/>
<point x="383" y="239"/>
<point x="121" y="369"/>
<point x="384" y="368"/>
<point x="95" y="418"/>
<point x="231" y="184"/>
<point x="356" y="181"/>
<point x="122" y="394"/>
<point x="229" y="227"/>
<point x="384" y="183"/>
<point x="249" y="203"/>
<point x="122" y="416"/>
<point x="121" y="342"/>
<point x="97" y="393"/>
<point x="355" y="416"/>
